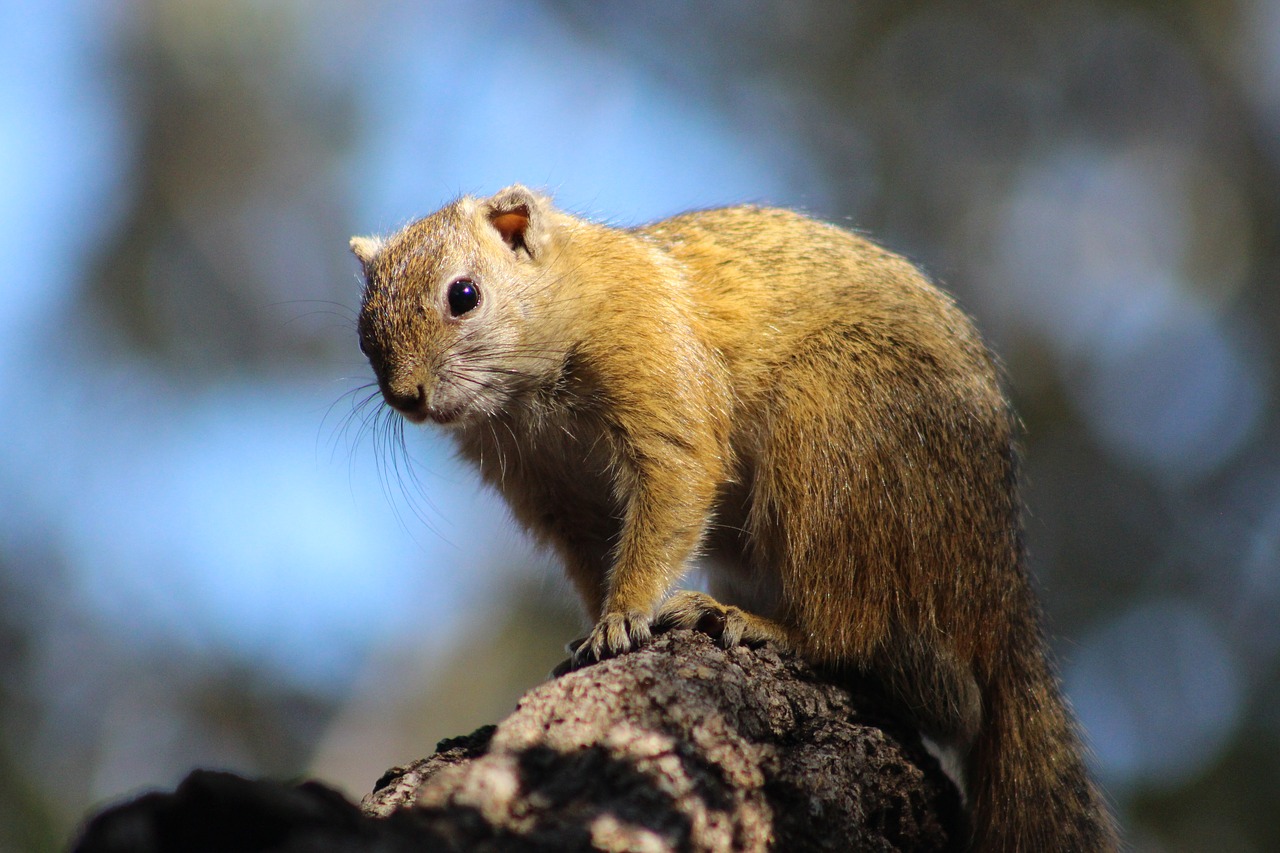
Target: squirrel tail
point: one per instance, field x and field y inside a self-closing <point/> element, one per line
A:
<point x="1028" y="782"/>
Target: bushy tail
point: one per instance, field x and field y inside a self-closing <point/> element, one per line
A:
<point x="1029" y="786"/>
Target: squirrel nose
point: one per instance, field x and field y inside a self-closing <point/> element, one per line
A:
<point x="406" y="399"/>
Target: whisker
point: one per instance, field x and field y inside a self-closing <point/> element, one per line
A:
<point x="340" y="311"/>
<point x="398" y="477"/>
<point x="342" y="429"/>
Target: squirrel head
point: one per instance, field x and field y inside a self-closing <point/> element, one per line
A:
<point x="444" y="318"/>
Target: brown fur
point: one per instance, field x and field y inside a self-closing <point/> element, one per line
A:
<point x="789" y="398"/>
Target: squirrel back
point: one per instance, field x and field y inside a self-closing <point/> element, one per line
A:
<point x="785" y="396"/>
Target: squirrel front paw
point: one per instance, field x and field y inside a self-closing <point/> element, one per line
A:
<point x="732" y="626"/>
<point x="613" y="635"/>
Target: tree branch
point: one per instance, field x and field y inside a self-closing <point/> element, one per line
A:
<point x="680" y="746"/>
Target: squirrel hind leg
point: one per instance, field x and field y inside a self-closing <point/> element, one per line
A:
<point x="731" y="626"/>
<point x="939" y="691"/>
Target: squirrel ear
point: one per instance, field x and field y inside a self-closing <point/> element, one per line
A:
<point x="519" y="217"/>
<point x="365" y="248"/>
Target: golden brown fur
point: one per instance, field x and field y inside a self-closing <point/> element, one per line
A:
<point x="779" y="393"/>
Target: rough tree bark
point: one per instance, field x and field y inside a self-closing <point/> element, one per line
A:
<point x="682" y="746"/>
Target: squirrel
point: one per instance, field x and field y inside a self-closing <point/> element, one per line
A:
<point x="790" y="399"/>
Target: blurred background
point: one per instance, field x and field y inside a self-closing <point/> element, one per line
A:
<point x="213" y="554"/>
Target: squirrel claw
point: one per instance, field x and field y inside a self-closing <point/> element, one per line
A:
<point x="614" y="634"/>
<point x="731" y="626"/>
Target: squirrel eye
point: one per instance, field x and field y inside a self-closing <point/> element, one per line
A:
<point x="463" y="296"/>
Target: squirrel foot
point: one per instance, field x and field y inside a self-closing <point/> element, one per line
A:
<point x="618" y="633"/>
<point x="613" y="635"/>
<point x="732" y="626"/>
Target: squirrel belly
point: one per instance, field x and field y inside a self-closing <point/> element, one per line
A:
<point x="791" y="399"/>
